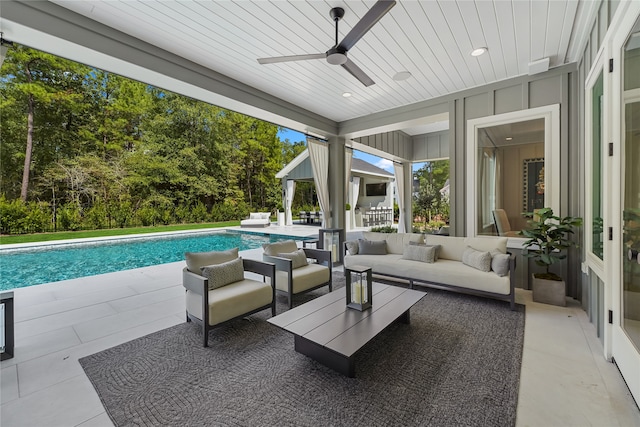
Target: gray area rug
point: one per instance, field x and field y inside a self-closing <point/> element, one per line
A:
<point x="456" y="364"/>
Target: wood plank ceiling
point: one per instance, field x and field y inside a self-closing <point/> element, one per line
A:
<point x="431" y="39"/>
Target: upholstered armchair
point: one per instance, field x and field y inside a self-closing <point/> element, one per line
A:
<point x="294" y="273"/>
<point x="217" y="291"/>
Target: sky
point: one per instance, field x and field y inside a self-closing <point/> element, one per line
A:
<point x="386" y="164"/>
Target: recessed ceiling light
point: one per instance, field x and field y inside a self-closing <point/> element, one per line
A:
<point x="479" y="51"/>
<point x="401" y="75"/>
<point x="346" y="94"/>
<point x="508" y="138"/>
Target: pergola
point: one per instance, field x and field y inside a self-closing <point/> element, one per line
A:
<point x="358" y="173"/>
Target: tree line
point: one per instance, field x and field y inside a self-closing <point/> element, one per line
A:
<point x="83" y="148"/>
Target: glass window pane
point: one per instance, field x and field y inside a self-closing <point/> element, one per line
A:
<point x="631" y="183"/>
<point x="511" y="178"/>
<point x="596" y="183"/>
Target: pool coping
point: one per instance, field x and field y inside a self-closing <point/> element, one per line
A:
<point x="108" y="238"/>
<point x="32" y="245"/>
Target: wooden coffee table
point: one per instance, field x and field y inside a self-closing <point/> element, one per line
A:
<point x="329" y="332"/>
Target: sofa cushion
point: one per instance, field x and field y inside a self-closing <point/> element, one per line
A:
<point x="500" y="263"/>
<point x="420" y="253"/>
<point x="259" y="215"/>
<point x="273" y="249"/>
<point x="352" y="248"/>
<point x="197" y="260"/>
<point x="369" y="247"/>
<point x="437" y="248"/>
<point x="223" y="274"/>
<point x="452" y="247"/>
<point x="395" y="241"/>
<point x="445" y="271"/>
<point x="487" y="243"/>
<point x="477" y="259"/>
<point x="298" y="258"/>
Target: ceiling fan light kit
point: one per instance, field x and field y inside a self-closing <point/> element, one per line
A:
<point x="337" y="55"/>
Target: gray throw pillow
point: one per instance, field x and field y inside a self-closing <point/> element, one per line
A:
<point x="197" y="260"/>
<point x="437" y="248"/>
<point x="298" y="258"/>
<point x="352" y="248"/>
<point x="224" y="274"/>
<point x="500" y="263"/>
<point x="477" y="259"/>
<point x="370" y="247"/>
<point x="420" y="253"/>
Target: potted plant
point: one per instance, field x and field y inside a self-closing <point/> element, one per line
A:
<point x="548" y="240"/>
<point x="347" y="217"/>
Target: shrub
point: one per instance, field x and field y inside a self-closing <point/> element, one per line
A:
<point x="11" y="214"/>
<point x="121" y="212"/>
<point x="147" y="216"/>
<point x="37" y="218"/>
<point x="385" y="229"/>
<point x="96" y="216"/>
<point x="69" y="217"/>
<point x="199" y="213"/>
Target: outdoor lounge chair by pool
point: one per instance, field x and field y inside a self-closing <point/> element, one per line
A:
<point x="257" y="219"/>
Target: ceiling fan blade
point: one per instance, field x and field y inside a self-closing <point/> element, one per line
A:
<point x="358" y="73"/>
<point x="289" y="58"/>
<point x="368" y="20"/>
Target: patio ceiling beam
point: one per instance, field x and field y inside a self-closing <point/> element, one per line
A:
<point x="46" y="26"/>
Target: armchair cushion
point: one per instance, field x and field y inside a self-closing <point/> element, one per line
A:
<point x="273" y="249"/>
<point x="224" y="274"/>
<point x="298" y="258"/>
<point x="303" y="278"/>
<point x="197" y="260"/>
<point x="231" y="300"/>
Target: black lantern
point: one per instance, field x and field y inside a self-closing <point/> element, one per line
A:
<point x="359" y="287"/>
<point x="332" y="239"/>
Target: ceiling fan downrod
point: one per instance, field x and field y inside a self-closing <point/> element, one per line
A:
<point x="334" y="55"/>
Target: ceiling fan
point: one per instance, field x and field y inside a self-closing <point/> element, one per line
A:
<point x="337" y="55"/>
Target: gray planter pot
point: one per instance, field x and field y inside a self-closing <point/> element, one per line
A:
<point x="549" y="291"/>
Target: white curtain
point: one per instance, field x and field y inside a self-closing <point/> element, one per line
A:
<point x="319" y="156"/>
<point x="355" y="191"/>
<point x="399" y="175"/>
<point x="291" y="191"/>
<point x="348" y="160"/>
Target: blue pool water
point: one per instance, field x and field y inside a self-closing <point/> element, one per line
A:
<point x="44" y="264"/>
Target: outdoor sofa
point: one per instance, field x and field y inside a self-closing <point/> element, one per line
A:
<point x="475" y="265"/>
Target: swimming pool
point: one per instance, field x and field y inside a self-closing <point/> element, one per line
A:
<point x="52" y="263"/>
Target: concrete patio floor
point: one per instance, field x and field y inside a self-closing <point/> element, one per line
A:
<point x="564" y="379"/>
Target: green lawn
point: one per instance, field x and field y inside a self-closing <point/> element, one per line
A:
<point x="63" y="235"/>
